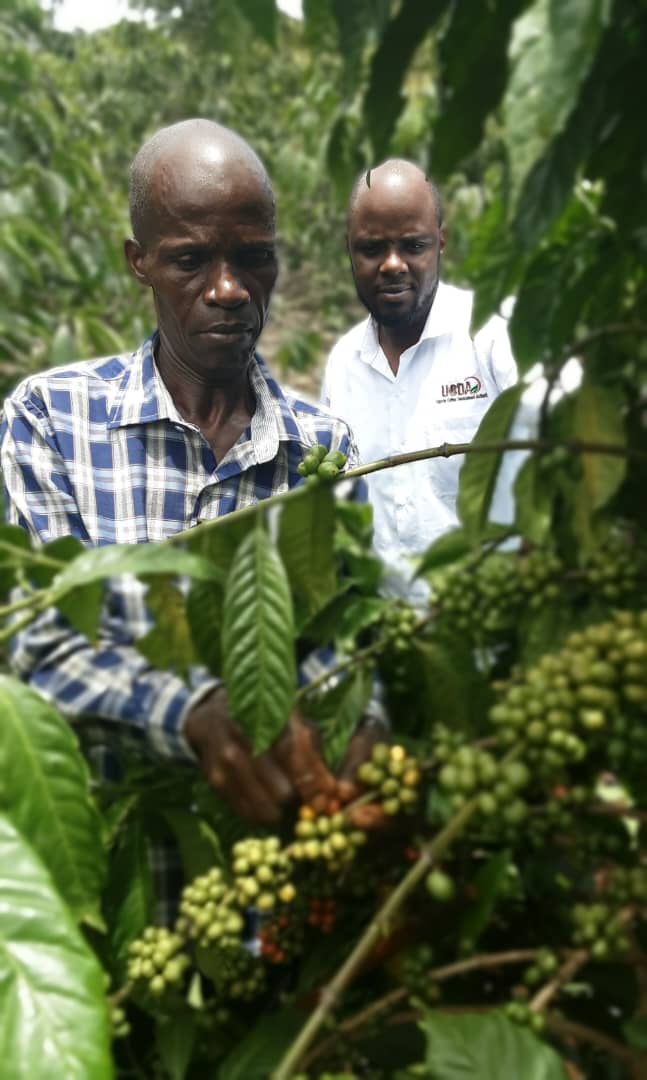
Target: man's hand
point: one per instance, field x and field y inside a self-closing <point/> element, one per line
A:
<point x="258" y="788"/>
<point x="359" y="749"/>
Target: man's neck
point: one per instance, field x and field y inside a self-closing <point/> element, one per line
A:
<point x="395" y="340"/>
<point x="221" y="410"/>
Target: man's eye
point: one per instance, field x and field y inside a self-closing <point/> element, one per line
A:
<point x="189" y="261"/>
<point x="415" y="245"/>
<point x="369" y="250"/>
<point x="257" y="256"/>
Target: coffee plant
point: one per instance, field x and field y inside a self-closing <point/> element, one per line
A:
<point x="482" y="881"/>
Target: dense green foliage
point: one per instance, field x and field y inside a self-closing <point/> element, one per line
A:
<point x="519" y="699"/>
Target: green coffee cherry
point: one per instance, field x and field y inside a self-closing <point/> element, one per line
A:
<point x="440" y="885"/>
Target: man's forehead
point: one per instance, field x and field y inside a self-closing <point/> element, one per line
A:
<point x="402" y="216"/>
<point x="197" y="189"/>
<point x="391" y="196"/>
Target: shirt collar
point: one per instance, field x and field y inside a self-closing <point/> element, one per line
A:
<point x="143" y="397"/>
<point x="451" y="309"/>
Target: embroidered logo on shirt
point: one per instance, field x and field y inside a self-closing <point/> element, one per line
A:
<point x="471" y="387"/>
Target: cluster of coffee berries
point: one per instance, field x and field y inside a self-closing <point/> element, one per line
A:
<point x="472" y="772"/>
<point x="119" y="1022"/>
<point x="399" y="623"/>
<point x="615" y="570"/>
<point x="281" y="938"/>
<point x="538" y="574"/>
<point x="542" y="968"/>
<point x="241" y="975"/>
<point x="158" y="959"/>
<point x="207" y="914"/>
<point x="262" y="872"/>
<point x="521" y="1013"/>
<point x="328" y="837"/>
<point x="322" y="913"/>
<point x="415" y="968"/>
<point x="599" y="928"/>
<point x="484" y="594"/>
<point x="322" y="462"/>
<point x="628" y="885"/>
<point x="393" y="774"/>
<point x="561" y="703"/>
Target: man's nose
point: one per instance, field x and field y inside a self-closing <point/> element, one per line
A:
<point x="393" y="263"/>
<point x="224" y="287"/>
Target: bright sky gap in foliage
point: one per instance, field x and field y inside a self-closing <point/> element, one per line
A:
<point x="79" y="15"/>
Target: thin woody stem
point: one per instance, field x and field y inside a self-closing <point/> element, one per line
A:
<point x="28" y="555"/>
<point x="446" y="450"/>
<point x="440" y="974"/>
<point x="375" y="930"/>
<point x="430" y="854"/>
<point x="572" y="965"/>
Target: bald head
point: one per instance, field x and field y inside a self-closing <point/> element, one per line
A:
<point x="397" y="176"/>
<point x="190" y="153"/>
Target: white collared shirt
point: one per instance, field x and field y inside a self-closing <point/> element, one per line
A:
<point x="444" y="385"/>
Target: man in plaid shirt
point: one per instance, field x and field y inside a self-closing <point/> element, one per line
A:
<point x="135" y="448"/>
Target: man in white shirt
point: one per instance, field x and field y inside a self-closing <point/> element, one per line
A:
<point x="410" y="375"/>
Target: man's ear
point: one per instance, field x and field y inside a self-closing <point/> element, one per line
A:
<point x="443" y="237"/>
<point x="135" y="259"/>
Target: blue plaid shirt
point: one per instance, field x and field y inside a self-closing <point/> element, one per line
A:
<point x="99" y="450"/>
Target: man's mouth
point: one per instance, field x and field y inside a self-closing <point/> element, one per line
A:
<point x="225" y="330"/>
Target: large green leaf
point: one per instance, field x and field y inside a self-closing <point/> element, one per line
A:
<point x="258" y="662"/>
<point x="479" y="472"/>
<point x="449" y="679"/>
<point x="553" y="47"/>
<point x="338" y="713"/>
<point x="306" y="534"/>
<point x="533" y="500"/>
<point x="53" y="1015"/>
<point x="383" y="101"/>
<point x="254" y="1057"/>
<point x="474" y="71"/>
<point x="14" y="543"/>
<point x="486" y="888"/>
<point x="455" y="545"/>
<point x="129" y="892"/>
<point x="168" y="643"/>
<point x="175" y="1040"/>
<point x="538" y="296"/>
<point x="597" y="417"/>
<point x="44" y="789"/>
<point x="199" y="846"/>
<point x="146" y="560"/>
<point x="355" y="22"/>
<point x="344" y="157"/>
<point x="490" y="264"/>
<point x="481" y="1047"/>
<point x="77" y="587"/>
<point x="204" y="611"/>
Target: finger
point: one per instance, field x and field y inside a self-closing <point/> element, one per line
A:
<point x="303" y="763"/>
<point x="359" y="750"/>
<point x="274" y="779"/>
<point x="346" y="791"/>
<point x="368" y="817"/>
<point x="243" y="788"/>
